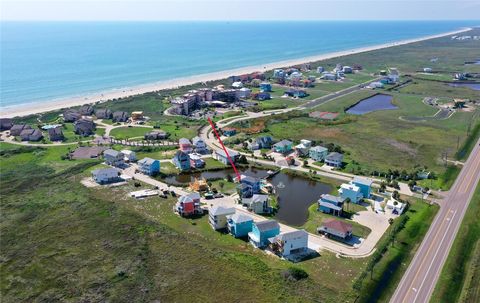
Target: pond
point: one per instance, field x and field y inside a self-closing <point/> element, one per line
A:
<point x="474" y="86"/>
<point x="295" y="194"/>
<point x="372" y="104"/>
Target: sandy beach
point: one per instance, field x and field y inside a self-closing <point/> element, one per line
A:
<point x="39" y="107"/>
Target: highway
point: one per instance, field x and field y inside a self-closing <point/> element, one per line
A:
<point x="419" y="281"/>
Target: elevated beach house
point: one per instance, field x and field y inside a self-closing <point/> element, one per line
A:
<point x="188" y="205"/>
<point x="249" y="185"/>
<point x="199" y="145"/>
<point x="289" y="243"/>
<point x="149" y="166"/>
<point x="114" y="158"/>
<point x="318" y="153"/>
<point x="334" y="159"/>
<point x="185" y="145"/>
<point x="350" y="191"/>
<point x="283" y="147"/>
<point x="129" y="155"/>
<point x="239" y="225"/>
<point x="182" y="161"/>
<point x="365" y="185"/>
<point x="262" y="231"/>
<point x="106" y="175"/>
<point x="330" y="204"/>
<point x="303" y="148"/>
<point x="217" y="216"/>
<point x="258" y="203"/>
<point x="221" y="156"/>
<point x="196" y="161"/>
<point x="336" y="229"/>
<point x="265" y="87"/>
<point x="264" y="142"/>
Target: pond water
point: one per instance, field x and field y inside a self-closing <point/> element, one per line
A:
<point x="295" y="194"/>
<point x="372" y="104"/>
<point x="474" y="86"/>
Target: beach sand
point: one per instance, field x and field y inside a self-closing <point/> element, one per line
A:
<point x="39" y="107"/>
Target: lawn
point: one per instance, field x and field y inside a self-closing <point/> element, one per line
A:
<point x="388" y="271"/>
<point x="126" y="132"/>
<point x="463" y="262"/>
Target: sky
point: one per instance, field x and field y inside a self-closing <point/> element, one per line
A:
<point x="147" y="10"/>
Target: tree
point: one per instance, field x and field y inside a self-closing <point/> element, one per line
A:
<point x="395" y="195"/>
<point x="347" y="203"/>
<point x="383" y="187"/>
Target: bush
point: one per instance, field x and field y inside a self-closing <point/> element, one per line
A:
<point x="295" y="274"/>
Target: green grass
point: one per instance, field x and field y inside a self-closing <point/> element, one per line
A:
<point x="463" y="262"/>
<point x="168" y="168"/>
<point x="126" y="132"/>
<point x="394" y="262"/>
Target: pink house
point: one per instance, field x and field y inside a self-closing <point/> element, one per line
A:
<point x="185" y="145"/>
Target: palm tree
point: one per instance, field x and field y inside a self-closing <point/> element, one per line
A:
<point x="347" y="202"/>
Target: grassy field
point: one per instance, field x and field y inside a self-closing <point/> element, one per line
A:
<point x="463" y="262"/>
<point x="380" y="286"/>
<point x="126" y="132"/>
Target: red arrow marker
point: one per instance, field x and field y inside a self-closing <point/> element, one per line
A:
<point x="224" y="149"/>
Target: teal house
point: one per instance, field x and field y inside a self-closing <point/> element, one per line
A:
<point x="283" y="146"/>
<point x="364" y="184"/>
<point x="149" y="166"/>
<point x="350" y="191"/>
<point x="318" y="153"/>
<point x="262" y="231"/>
<point x="330" y="204"/>
<point x="239" y="225"/>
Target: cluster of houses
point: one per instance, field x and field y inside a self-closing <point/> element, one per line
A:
<point x="221" y="96"/>
<point x="119" y="159"/>
<point x="263" y="234"/>
<point x="354" y="191"/>
<point x="87" y="111"/>
<point x="189" y="154"/>
<point x="26" y="132"/>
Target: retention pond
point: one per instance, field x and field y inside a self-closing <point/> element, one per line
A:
<point x="295" y="194"/>
<point x="372" y="104"/>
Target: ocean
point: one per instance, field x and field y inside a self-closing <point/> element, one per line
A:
<point x="44" y="61"/>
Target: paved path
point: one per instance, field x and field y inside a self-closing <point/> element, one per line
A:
<point x="421" y="276"/>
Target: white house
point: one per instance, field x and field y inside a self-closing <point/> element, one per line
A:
<point x="237" y="85"/>
<point x="130" y="155"/>
<point x="395" y="206"/>
<point x="258" y="203"/>
<point x="289" y="243"/>
<point x="217" y="216"/>
<point x="106" y="175"/>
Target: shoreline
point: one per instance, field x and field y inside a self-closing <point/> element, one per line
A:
<point x="40" y="107"/>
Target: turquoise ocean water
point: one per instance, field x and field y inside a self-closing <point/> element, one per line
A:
<point x="43" y="61"/>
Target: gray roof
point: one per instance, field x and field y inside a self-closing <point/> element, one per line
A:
<point x="111" y="153"/>
<point x="196" y="139"/>
<point x="147" y="161"/>
<point x="319" y="148"/>
<point x="267" y="225"/>
<point x="220" y="210"/>
<point x="363" y="181"/>
<point x="283" y="143"/>
<point x="184" y="141"/>
<point x="330" y="205"/>
<point x="292" y="234"/>
<point x="328" y="197"/>
<point x="110" y="169"/>
<point x="240" y="218"/>
<point x="334" y="156"/>
<point x="222" y="153"/>
<point x="249" y="179"/>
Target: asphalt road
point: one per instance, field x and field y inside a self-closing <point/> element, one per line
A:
<point x="421" y="276"/>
